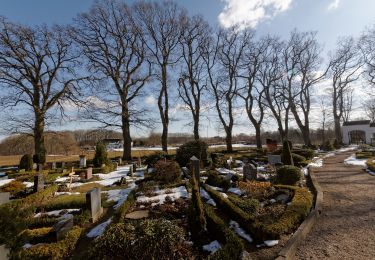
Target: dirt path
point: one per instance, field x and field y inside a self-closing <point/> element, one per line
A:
<point x="346" y="228"/>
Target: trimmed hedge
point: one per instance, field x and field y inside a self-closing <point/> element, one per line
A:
<point x="307" y="153"/>
<point x="65" y="202"/>
<point x="294" y="214"/>
<point x="35" y="236"/>
<point x="371" y="164"/>
<point x="190" y="149"/>
<point x="59" y="250"/>
<point x="26" y="162"/>
<point x="167" y="172"/>
<point x="248" y="205"/>
<point x="297" y="159"/>
<point x="214" y="179"/>
<point x="13" y="187"/>
<point x="286" y="155"/>
<point x="288" y="175"/>
<point x="233" y="244"/>
<point x="101" y="156"/>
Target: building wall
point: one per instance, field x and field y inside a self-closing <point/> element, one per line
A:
<point x="368" y="130"/>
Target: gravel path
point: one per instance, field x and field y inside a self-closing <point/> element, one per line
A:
<point x="346" y="228"/>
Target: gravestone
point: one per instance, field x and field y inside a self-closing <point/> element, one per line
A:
<point x="134" y="167"/>
<point x="131" y="170"/>
<point x="4" y="197"/>
<point x="82" y="161"/>
<point x="194" y="168"/>
<point x="63" y="226"/>
<point x="116" y="165"/>
<point x="53" y="166"/>
<point x="35" y="166"/>
<point x="249" y="172"/>
<point x="274" y="159"/>
<point x="62" y="165"/>
<point x="119" y="161"/>
<point x="94" y="204"/>
<point x="4" y="252"/>
<point x="39" y="180"/>
<point x="86" y="174"/>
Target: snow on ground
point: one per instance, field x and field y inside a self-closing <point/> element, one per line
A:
<point x="4" y="182"/>
<point x="236" y="227"/>
<point x="236" y="191"/>
<point x="354" y="161"/>
<point x="28" y="184"/>
<point x="214" y="188"/>
<point x="316" y="162"/>
<point x="99" y="229"/>
<point x="271" y="243"/>
<point x="225" y="196"/>
<point x="211" y="202"/>
<point x="212" y="247"/>
<point x="329" y="155"/>
<point x="175" y="193"/>
<point x="347" y="149"/>
<point x="233" y="145"/>
<point x="119" y="196"/>
<point x="57" y="193"/>
<point x="225" y="171"/>
<point x="370" y="172"/>
<point x="107" y="179"/>
<point x="207" y="197"/>
<point x="55" y="213"/>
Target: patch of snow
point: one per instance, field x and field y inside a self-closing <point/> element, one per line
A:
<point x="261" y="169"/>
<point x="28" y="184"/>
<point x="370" y="172"/>
<point x="27" y="245"/>
<point x="236" y="191"/>
<point x="223" y="195"/>
<point x="204" y="194"/>
<point x="99" y="229"/>
<point x="224" y="171"/>
<point x="57" y="193"/>
<point x="354" y="161"/>
<point x="55" y="213"/>
<point x="4" y="182"/>
<point x="329" y="155"/>
<point x="175" y="193"/>
<point x="119" y="196"/>
<point x="316" y="162"/>
<point x="211" y="202"/>
<point x="347" y="149"/>
<point x="212" y="247"/>
<point x="272" y="201"/>
<point x="263" y="176"/>
<point x="305" y="171"/>
<point x="271" y="243"/>
<point x="242" y="233"/>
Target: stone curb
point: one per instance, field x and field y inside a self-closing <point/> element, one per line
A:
<point x="289" y="250"/>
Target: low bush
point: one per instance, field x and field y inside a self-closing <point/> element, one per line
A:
<point x="248" y="205"/>
<point x="371" y="164"/>
<point x="36" y="236"/>
<point x="294" y="214"/>
<point x="14" y="187"/>
<point x="233" y="245"/>
<point x="288" y="175"/>
<point x="298" y="158"/>
<point x="145" y="239"/>
<point x="286" y="155"/>
<point x="214" y="179"/>
<point x="108" y="167"/>
<point x="218" y="160"/>
<point x="59" y="250"/>
<point x="152" y="159"/>
<point x="43" y="221"/>
<point x="307" y="153"/>
<point x="327" y="146"/>
<point x="364" y="155"/>
<point x="166" y="172"/>
<point x="26" y="162"/>
<point x="190" y="149"/>
<point x="255" y="189"/>
<point x="65" y="202"/>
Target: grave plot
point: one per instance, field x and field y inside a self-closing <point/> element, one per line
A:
<point x="238" y="204"/>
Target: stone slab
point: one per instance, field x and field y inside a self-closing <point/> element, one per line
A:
<point x="139" y="214"/>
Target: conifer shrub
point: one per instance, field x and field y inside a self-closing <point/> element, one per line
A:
<point x="286" y="155"/>
<point x="101" y="156"/>
<point x="190" y="149"/>
<point x="288" y="175"/>
<point x="14" y="187"/>
<point x="152" y="159"/>
<point x="214" y="179"/>
<point x="26" y="162"/>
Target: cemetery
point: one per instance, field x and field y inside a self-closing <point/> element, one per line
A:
<point x="197" y="203"/>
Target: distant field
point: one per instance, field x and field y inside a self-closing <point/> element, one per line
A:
<point x="14" y="160"/>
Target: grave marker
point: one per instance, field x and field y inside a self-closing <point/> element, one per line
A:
<point x="274" y="159"/>
<point x="94" y="203"/>
<point x="194" y="168"/>
<point x="62" y="227"/>
<point x="86" y="174"/>
<point x="4" y="197"/>
<point x="249" y="172"/>
<point x="82" y="161"/>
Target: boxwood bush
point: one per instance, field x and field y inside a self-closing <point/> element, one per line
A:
<point x="166" y="172"/>
<point x="101" y="156"/>
<point x="288" y="175"/>
<point x="307" y="153"/>
<point x="190" y="149"/>
<point x="248" y="205"/>
<point x="214" y="179"/>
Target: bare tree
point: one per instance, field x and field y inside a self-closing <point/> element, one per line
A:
<point x="269" y="76"/>
<point x="345" y="68"/>
<point x="192" y="80"/>
<point x="160" y="23"/>
<point x="223" y="61"/>
<point x="367" y="48"/>
<point x="302" y="61"/>
<point x="253" y="92"/>
<point x="116" y="55"/>
<point x="369" y="106"/>
<point x="37" y="74"/>
<point x="348" y="104"/>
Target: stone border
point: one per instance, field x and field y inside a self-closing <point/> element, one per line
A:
<point x="289" y="250"/>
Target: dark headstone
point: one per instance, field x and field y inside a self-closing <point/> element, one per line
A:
<point x="94" y="204"/>
<point x="4" y="197"/>
<point x="38" y="182"/>
<point x="249" y="172"/>
<point x="274" y="159"/>
<point x="131" y="171"/>
<point x="62" y="227"/>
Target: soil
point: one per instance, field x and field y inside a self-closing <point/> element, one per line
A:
<point x="346" y="228"/>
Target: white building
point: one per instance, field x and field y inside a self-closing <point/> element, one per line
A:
<point x="357" y="132"/>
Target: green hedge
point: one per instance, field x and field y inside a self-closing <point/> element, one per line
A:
<point x="249" y="205"/>
<point x="307" y="153"/>
<point x="370" y="164"/>
<point x="294" y="214"/>
<point x="65" y="202"/>
<point x="233" y="245"/>
<point x="288" y="175"/>
<point x="36" y="236"/>
<point x="190" y="149"/>
<point x="59" y="250"/>
<point x="26" y="162"/>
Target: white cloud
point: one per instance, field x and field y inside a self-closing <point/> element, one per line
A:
<point x="248" y="13"/>
<point x="150" y="100"/>
<point x="333" y="5"/>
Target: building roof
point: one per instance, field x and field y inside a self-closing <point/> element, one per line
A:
<point x="358" y="122"/>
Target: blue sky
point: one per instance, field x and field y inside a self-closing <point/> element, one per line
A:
<point x="331" y="18"/>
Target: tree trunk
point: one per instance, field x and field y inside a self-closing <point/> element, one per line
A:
<point x="228" y="140"/>
<point x="258" y="137"/>
<point x="39" y="146"/>
<point x="196" y="128"/>
<point x="306" y="136"/>
<point x="163" y="108"/>
<point x="127" y="151"/>
<point x="338" y="129"/>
